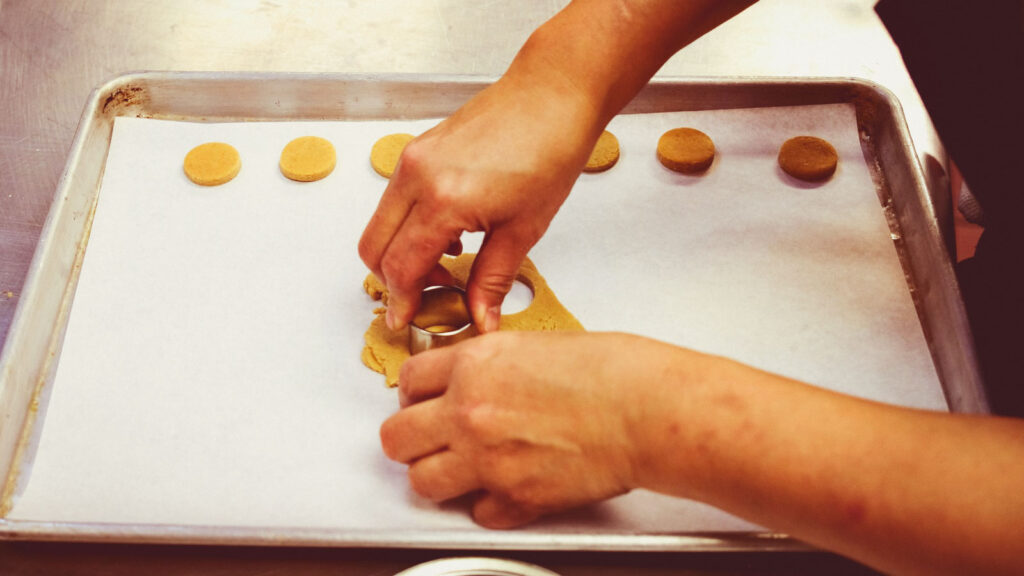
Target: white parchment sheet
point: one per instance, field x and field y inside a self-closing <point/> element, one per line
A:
<point x="211" y="376"/>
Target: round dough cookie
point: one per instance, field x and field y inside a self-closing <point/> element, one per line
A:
<point x="686" y="150"/>
<point x="307" y="159"/>
<point x="808" y="158"/>
<point x="605" y="153"/>
<point x="385" y="153"/>
<point x="212" y="164"/>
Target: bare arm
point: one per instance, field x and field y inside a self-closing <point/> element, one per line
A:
<point x="504" y="163"/>
<point x="907" y="491"/>
<point x="544" y="422"/>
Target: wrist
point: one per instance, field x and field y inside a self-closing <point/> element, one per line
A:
<point x="683" y="425"/>
<point x="568" y="58"/>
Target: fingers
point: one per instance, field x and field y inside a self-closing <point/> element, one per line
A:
<point x="425" y="376"/>
<point x="412" y="255"/>
<point x="385" y="222"/>
<point x="420" y="428"/>
<point x="494" y="272"/>
<point x="402" y="244"/>
<point x="443" y="476"/>
<point x="414" y="432"/>
<point x="493" y="511"/>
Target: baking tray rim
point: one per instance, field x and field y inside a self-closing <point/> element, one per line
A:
<point x="98" y="108"/>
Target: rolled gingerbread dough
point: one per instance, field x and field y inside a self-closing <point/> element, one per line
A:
<point x="385" y="350"/>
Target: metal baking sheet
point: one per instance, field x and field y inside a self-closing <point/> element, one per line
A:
<point x="29" y="360"/>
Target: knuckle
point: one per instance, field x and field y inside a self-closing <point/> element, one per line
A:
<point x="476" y="419"/>
<point x="412" y="158"/>
<point x="495" y="283"/>
<point x="396" y="272"/>
<point x="511" y="477"/>
<point x="401" y="264"/>
<point x="420" y="482"/>
<point x="409" y="375"/>
<point x="523" y="496"/>
<point x="367" y="252"/>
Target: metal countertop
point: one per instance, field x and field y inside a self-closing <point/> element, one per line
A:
<point x="54" y="52"/>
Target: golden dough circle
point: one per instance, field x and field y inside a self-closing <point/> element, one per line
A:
<point x="605" y="153"/>
<point x="307" y="159"/>
<point x="808" y="158"/>
<point x="686" y="150"/>
<point x="212" y="164"/>
<point x="385" y="153"/>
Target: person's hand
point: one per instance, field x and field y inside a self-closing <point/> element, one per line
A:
<point x="503" y="164"/>
<point x="534" y="422"/>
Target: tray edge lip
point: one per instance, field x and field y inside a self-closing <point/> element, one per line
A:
<point x="462" y="539"/>
<point x="16" y="530"/>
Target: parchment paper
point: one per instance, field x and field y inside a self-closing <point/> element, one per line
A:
<point x="210" y="373"/>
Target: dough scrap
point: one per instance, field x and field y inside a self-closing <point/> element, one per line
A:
<point x="808" y="158"/>
<point x="385" y="350"/>
<point x="605" y="153"/>
<point x="686" y="150"/>
<point x="386" y="151"/>
<point x="212" y="163"/>
<point x="308" y="158"/>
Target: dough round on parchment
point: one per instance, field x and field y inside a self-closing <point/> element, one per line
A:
<point x="212" y="164"/>
<point x="605" y="153"/>
<point x="307" y="159"/>
<point x="808" y="158"/>
<point x="686" y="150"/>
<point x="385" y="153"/>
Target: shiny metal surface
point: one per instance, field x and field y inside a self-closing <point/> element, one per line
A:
<point x="27" y="362"/>
<point x="442" y="320"/>
<point x="54" y="52"/>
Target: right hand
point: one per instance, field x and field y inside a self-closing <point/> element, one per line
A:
<point x="533" y="422"/>
<point x="502" y="164"/>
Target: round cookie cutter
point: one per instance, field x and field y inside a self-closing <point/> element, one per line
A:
<point x="442" y="320"/>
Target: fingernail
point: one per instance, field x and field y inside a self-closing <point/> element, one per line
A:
<point x="492" y="320"/>
<point x="389" y="318"/>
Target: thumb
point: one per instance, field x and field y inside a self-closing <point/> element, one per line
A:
<point x="494" y="271"/>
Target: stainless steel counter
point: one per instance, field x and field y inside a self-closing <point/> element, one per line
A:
<point x="53" y="53"/>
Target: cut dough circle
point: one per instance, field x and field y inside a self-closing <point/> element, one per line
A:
<point x="686" y="150"/>
<point x="808" y="158"/>
<point x="307" y="159"/>
<point x="386" y="151"/>
<point x="212" y="163"/>
<point x="605" y="153"/>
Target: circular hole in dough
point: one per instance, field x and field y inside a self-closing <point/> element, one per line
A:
<point x="386" y="151"/>
<point x="212" y="164"/>
<point x="808" y="158"/>
<point x="605" y="153"/>
<point x="517" y="299"/>
<point x="307" y="159"/>
<point x="686" y="150"/>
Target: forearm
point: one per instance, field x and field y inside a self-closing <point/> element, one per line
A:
<point x="906" y="491"/>
<point x="604" y="51"/>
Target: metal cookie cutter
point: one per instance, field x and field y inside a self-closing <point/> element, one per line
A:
<point x="442" y="320"/>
